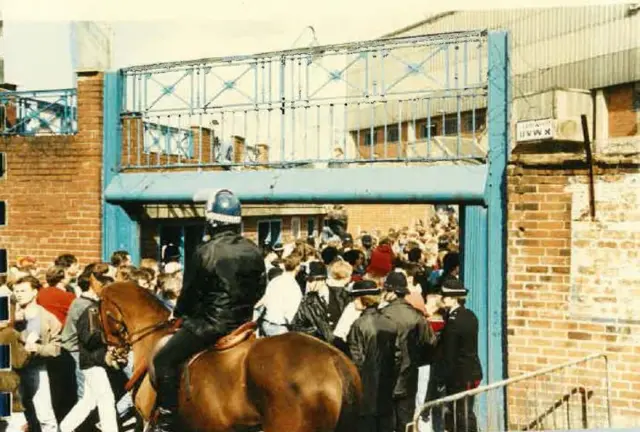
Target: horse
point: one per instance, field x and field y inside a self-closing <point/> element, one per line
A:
<point x="292" y="382"/>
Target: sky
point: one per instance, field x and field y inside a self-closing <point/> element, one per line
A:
<point x="36" y="43"/>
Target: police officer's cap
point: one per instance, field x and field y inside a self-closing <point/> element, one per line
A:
<point x="452" y="287"/>
<point x="364" y="287"/>
<point x="396" y="282"/>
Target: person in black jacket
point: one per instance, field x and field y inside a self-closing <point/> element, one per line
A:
<point x="372" y="347"/>
<point x="95" y="358"/>
<point x="322" y="305"/>
<point x="416" y="343"/>
<point x="224" y="281"/>
<point x="460" y="367"/>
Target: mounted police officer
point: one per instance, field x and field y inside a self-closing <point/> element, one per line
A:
<point x="225" y="279"/>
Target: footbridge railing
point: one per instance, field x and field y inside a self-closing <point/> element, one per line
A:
<point x="39" y="112"/>
<point x="407" y="99"/>
<point x="571" y="396"/>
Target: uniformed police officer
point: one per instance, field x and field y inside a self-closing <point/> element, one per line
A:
<point x="225" y="280"/>
<point x="461" y="369"/>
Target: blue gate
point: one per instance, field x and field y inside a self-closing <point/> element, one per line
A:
<point x="420" y="119"/>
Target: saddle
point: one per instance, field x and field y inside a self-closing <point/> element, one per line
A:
<point x="243" y="333"/>
<point x="236" y="337"/>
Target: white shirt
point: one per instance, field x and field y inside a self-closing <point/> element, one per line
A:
<point x="348" y="317"/>
<point x="282" y="299"/>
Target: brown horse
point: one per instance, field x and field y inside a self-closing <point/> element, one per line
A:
<point x="288" y="383"/>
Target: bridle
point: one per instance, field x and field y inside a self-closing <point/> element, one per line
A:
<point x="126" y="338"/>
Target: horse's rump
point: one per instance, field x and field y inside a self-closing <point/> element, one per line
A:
<point x="312" y="381"/>
<point x="259" y="380"/>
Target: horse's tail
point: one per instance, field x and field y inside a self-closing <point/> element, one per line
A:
<point x="351" y="394"/>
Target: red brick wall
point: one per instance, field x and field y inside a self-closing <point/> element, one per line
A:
<point x="53" y="187"/>
<point x="623" y="119"/>
<point x="133" y="154"/>
<point x="367" y="217"/>
<point x="565" y="272"/>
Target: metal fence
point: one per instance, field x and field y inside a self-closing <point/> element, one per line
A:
<point x="40" y="112"/>
<point x="416" y="98"/>
<point x="574" y="395"/>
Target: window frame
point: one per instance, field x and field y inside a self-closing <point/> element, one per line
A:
<point x="4" y="217"/>
<point x="314" y="226"/>
<point x="6" y="261"/>
<point x="390" y="129"/>
<point x="295" y="220"/>
<point x="3" y="165"/>
<point x="369" y="139"/>
<point x="425" y="127"/>
<point x="269" y="222"/>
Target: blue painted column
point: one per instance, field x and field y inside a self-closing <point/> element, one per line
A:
<point x="473" y="238"/>
<point x="119" y="230"/>
<point x="499" y="99"/>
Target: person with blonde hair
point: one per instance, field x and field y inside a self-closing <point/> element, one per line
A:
<point x="339" y="274"/>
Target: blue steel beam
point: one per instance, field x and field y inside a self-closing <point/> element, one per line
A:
<point x="119" y="229"/>
<point x="499" y="99"/>
<point x="371" y="184"/>
<point x="474" y="247"/>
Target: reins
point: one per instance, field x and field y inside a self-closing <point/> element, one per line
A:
<point x="128" y="340"/>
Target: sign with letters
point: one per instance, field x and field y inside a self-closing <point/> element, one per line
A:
<point x="534" y="130"/>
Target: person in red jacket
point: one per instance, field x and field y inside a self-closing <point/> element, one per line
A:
<point x="55" y="298"/>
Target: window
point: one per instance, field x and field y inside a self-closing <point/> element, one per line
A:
<point x="311" y="227"/>
<point x="450" y="126"/>
<point x="425" y="130"/>
<point x="393" y="134"/>
<point x="295" y="227"/>
<point x="3" y="164"/>
<point x="269" y="232"/>
<point x="3" y="261"/>
<point x="467" y="122"/>
<point x="4" y="318"/>
<point x="171" y="235"/>
<point x="369" y="138"/>
<point x="3" y="213"/>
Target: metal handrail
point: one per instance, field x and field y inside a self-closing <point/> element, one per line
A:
<point x="523" y="377"/>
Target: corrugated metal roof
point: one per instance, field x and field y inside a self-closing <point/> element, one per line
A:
<point x="586" y="46"/>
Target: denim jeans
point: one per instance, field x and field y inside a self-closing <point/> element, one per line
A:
<point x="34" y="381"/>
<point x="79" y="374"/>
<point x="271" y="329"/>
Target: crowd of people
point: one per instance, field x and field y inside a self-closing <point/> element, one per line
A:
<point x="56" y="342"/>
<point x="395" y="309"/>
<point x="393" y="303"/>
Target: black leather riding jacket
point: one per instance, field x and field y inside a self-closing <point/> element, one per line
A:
<point x="225" y="279"/>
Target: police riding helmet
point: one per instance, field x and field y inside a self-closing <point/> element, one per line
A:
<point x="223" y="208"/>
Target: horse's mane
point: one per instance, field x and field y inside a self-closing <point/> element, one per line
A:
<point x="126" y="292"/>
